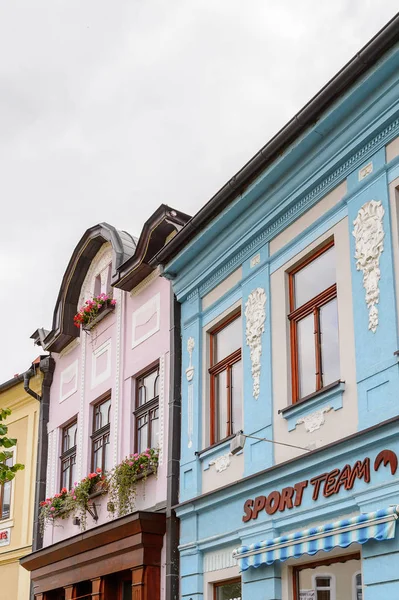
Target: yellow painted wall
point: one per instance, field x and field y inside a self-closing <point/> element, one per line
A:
<point x="23" y="425"/>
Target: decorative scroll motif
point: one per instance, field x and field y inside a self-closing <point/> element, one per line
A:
<point x="255" y="325"/>
<point x="315" y="420"/>
<point x="190" y="368"/>
<point x="221" y="462"/>
<point x="369" y="235"/>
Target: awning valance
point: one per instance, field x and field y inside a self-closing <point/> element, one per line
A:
<point x="379" y="525"/>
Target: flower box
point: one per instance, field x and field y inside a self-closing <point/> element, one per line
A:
<point x="93" y="311"/>
<point x="103" y="312"/>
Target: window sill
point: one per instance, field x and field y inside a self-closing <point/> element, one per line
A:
<point x="6" y="523"/>
<point x="329" y="398"/>
<point x="208" y="455"/>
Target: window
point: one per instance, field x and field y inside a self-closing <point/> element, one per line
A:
<point x="5" y="494"/>
<point x="357" y="586"/>
<point x="100" y="436"/>
<point x="225" y="373"/>
<point x="323" y="585"/>
<point x="68" y="455"/>
<point x="314" y="324"/>
<point x="147" y="409"/>
<point x="227" y="590"/>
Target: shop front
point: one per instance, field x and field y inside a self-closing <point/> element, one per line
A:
<point x="319" y="527"/>
<point x="120" y="560"/>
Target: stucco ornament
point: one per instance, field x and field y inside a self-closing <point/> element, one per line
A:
<point x="255" y="315"/>
<point x="221" y="462"/>
<point x="369" y="235"/>
<point x="315" y="420"/>
<point x="190" y="368"/>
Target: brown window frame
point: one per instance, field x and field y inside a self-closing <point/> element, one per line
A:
<point x="297" y="314"/>
<point x="217" y="584"/>
<point x="318" y="563"/>
<point x="103" y="431"/>
<point x="146" y="407"/>
<point x="215" y="369"/>
<point x="66" y="455"/>
<point x="10" y="483"/>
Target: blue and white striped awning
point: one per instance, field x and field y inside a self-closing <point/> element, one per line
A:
<point x="379" y="525"/>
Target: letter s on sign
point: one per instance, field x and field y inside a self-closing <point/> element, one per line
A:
<point x="248" y="510"/>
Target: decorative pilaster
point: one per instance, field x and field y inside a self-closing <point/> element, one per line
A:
<point x="255" y="325"/>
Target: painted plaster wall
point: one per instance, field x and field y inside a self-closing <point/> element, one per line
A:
<point x="23" y="425"/>
<point x="107" y="359"/>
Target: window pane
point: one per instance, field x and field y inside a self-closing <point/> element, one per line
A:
<point x="228" y="340"/>
<point x="5" y="509"/>
<point x="70" y="437"/>
<point x="102" y="414"/>
<point x="236" y="392"/>
<point x="106" y="449"/>
<point x="359" y="579"/>
<point x="316" y="277"/>
<point x="229" y="591"/>
<point x="142" y="433"/>
<point x="73" y="470"/>
<point x="98" y="454"/>
<point x="323" y="595"/>
<point x="154" y="428"/>
<point x="329" y="342"/>
<point x="221" y="406"/>
<point x="323" y="582"/>
<point x="65" y="474"/>
<point x="148" y="387"/>
<point x="306" y="356"/>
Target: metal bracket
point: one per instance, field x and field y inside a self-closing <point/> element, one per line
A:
<point x="92" y="510"/>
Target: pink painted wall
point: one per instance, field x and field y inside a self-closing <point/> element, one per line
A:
<point x="134" y="343"/>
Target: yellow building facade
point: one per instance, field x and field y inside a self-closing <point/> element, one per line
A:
<point x="17" y="498"/>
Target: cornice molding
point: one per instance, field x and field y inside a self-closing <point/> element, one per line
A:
<point x="297" y="209"/>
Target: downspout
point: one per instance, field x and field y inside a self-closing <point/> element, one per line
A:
<point x="172" y="494"/>
<point x="47" y="366"/>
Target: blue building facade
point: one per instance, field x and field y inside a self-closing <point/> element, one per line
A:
<point x="288" y="283"/>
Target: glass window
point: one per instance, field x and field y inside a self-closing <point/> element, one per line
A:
<point x="68" y="455"/>
<point x="225" y="379"/>
<point x="101" y="435"/>
<point x="323" y="588"/>
<point x="147" y="410"/>
<point x="5" y="494"/>
<point x="314" y="324"/>
<point x="358" y="588"/>
<point x="229" y="590"/>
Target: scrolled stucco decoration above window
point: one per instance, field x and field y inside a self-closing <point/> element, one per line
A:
<point x="190" y="368"/>
<point x="255" y="315"/>
<point x="369" y="235"/>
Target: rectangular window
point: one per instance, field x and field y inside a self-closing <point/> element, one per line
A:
<point x="227" y="590"/>
<point x="147" y="409"/>
<point x="101" y="434"/>
<point x="225" y="373"/>
<point x="314" y="323"/>
<point x="5" y="494"/>
<point x="68" y="455"/>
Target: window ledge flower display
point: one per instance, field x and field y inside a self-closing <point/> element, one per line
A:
<point x="90" y="312"/>
<point x="73" y="502"/>
<point x="122" y="480"/>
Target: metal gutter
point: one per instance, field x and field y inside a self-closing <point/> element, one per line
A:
<point x="11" y="382"/>
<point x="385" y="39"/>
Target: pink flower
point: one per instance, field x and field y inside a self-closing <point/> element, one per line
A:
<point x="52" y="508"/>
<point x="98" y="470"/>
<point x="74" y="497"/>
<point x="130" y="464"/>
<point x="113" y="302"/>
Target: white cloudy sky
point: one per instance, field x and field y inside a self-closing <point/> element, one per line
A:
<point x="109" y="108"/>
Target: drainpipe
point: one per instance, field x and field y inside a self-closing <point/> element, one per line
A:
<point x="172" y="496"/>
<point x="47" y="366"/>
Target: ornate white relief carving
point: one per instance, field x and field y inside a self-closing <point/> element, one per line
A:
<point x="369" y="235"/>
<point x="190" y="368"/>
<point x="315" y="420"/>
<point x="255" y="315"/>
<point x="79" y="450"/>
<point x="161" y="406"/>
<point x="190" y="415"/>
<point x="221" y="462"/>
<point x="120" y="299"/>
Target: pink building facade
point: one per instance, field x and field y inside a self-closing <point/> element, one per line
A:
<point x="110" y="402"/>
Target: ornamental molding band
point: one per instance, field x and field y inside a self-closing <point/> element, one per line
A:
<point x="320" y="190"/>
<point x="315" y="420"/>
<point x="369" y="235"/>
<point x="255" y="315"/>
<point x="190" y="368"/>
<point x="221" y="462"/>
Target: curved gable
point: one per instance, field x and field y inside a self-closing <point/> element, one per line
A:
<point x="121" y="247"/>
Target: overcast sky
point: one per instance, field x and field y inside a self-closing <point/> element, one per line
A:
<point x="109" y="108"/>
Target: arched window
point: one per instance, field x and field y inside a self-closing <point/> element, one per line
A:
<point x="357" y="586"/>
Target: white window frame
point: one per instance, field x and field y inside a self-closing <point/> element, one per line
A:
<point x="332" y="587"/>
<point x="354" y="585"/>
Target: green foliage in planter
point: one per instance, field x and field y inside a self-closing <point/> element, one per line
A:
<point x="7" y="472"/>
<point x="122" y="480"/>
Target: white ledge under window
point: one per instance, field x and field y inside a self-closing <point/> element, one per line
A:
<point x="321" y="402"/>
